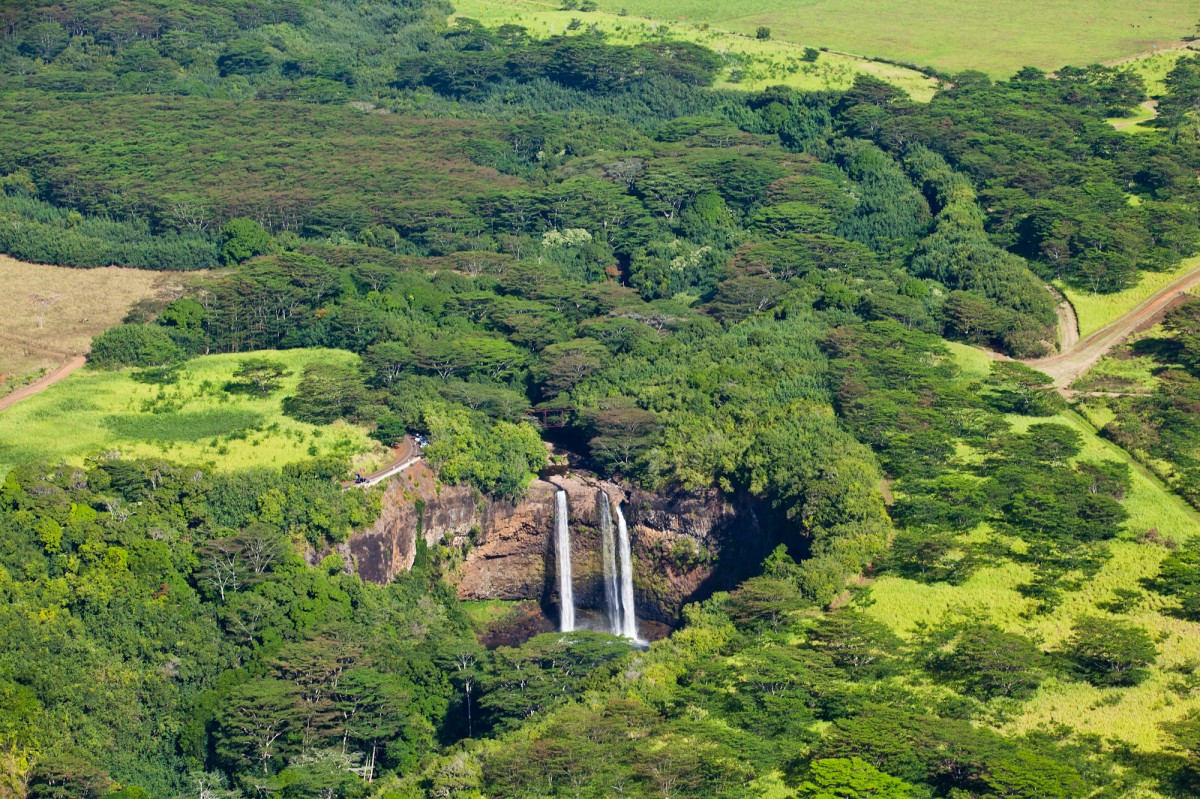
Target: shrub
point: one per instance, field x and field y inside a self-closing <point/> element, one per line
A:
<point x="242" y="239"/>
<point x="134" y="345"/>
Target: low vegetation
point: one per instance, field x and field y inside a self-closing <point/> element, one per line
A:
<point x="1155" y="65"/>
<point x="1013" y="593"/>
<point x="946" y="34"/>
<point x="189" y="414"/>
<point x="1096" y="311"/>
<point x="1141" y="398"/>
<point x="50" y="312"/>
<point x="750" y="63"/>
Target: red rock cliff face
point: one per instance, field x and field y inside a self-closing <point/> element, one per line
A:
<point x="413" y="501"/>
<point x="679" y="540"/>
<point x="685" y="546"/>
<point x="513" y="555"/>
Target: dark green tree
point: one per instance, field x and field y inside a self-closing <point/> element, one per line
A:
<point x="1107" y="652"/>
<point x="258" y="375"/>
<point x="242" y="239"/>
<point x="326" y="392"/>
<point x="985" y="661"/>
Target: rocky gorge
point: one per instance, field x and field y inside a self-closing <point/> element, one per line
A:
<point x="685" y="545"/>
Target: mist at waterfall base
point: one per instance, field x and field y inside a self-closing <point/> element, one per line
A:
<point x="617" y="563"/>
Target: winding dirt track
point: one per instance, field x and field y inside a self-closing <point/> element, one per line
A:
<point x="1068" y="322"/>
<point x="59" y="373"/>
<point x="1075" y="359"/>
<point x="404" y="454"/>
<point x="1166" y="48"/>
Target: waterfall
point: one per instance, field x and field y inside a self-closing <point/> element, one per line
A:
<point x="629" y="627"/>
<point x="612" y="597"/>
<point x="562" y="543"/>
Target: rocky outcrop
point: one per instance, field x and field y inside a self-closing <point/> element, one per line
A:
<point x="512" y="557"/>
<point x="414" y="503"/>
<point x="688" y="545"/>
<point x="685" y="545"/>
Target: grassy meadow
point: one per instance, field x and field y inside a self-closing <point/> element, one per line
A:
<point x="1135" y="122"/>
<point x="997" y="38"/>
<point x="55" y="309"/>
<point x="192" y="421"/>
<point x="1154" y="66"/>
<point x="753" y="64"/>
<point x="1095" y="311"/>
<point x="1128" y="714"/>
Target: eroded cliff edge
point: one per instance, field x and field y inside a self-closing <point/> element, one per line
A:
<point x="685" y="545"/>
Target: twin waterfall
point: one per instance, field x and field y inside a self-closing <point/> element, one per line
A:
<point x="628" y="622"/>
<point x="618" y="582"/>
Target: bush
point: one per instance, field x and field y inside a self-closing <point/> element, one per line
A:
<point x="134" y="345"/>
<point x="242" y="239"/>
<point x="185" y="426"/>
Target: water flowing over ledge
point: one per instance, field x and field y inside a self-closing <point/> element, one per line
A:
<point x="562" y="545"/>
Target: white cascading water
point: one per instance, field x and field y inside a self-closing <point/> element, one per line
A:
<point x="629" y="627"/>
<point x="562" y="543"/>
<point x="608" y="553"/>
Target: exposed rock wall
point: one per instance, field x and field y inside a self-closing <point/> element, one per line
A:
<point x="513" y="555"/>
<point x="684" y="545"/>
<point x="413" y="501"/>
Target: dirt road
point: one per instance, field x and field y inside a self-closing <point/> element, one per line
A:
<point x="404" y="454"/>
<point x="57" y="374"/>
<point x="1068" y="322"/>
<point x="1166" y="48"/>
<point x="1083" y="354"/>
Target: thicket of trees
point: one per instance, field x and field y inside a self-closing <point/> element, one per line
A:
<point x="194" y="652"/>
<point x="740" y="291"/>
<point x="36" y="231"/>
<point x="1061" y="187"/>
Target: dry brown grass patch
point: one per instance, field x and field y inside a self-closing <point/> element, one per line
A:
<point x="49" y="311"/>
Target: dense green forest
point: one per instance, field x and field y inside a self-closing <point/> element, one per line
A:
<point x="747" y="291"/>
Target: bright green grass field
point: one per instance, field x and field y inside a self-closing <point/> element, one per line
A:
<point x="754" y="64"/>
<point x="1134" y="123"/>
<point x="1097" y="310"/>
<point x="1154" y="67"/>
<point x="973" y="363"/>
<point x="997" y="38"/>
<point x="1130" y="714"/>
<point x="94" y="412"/>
